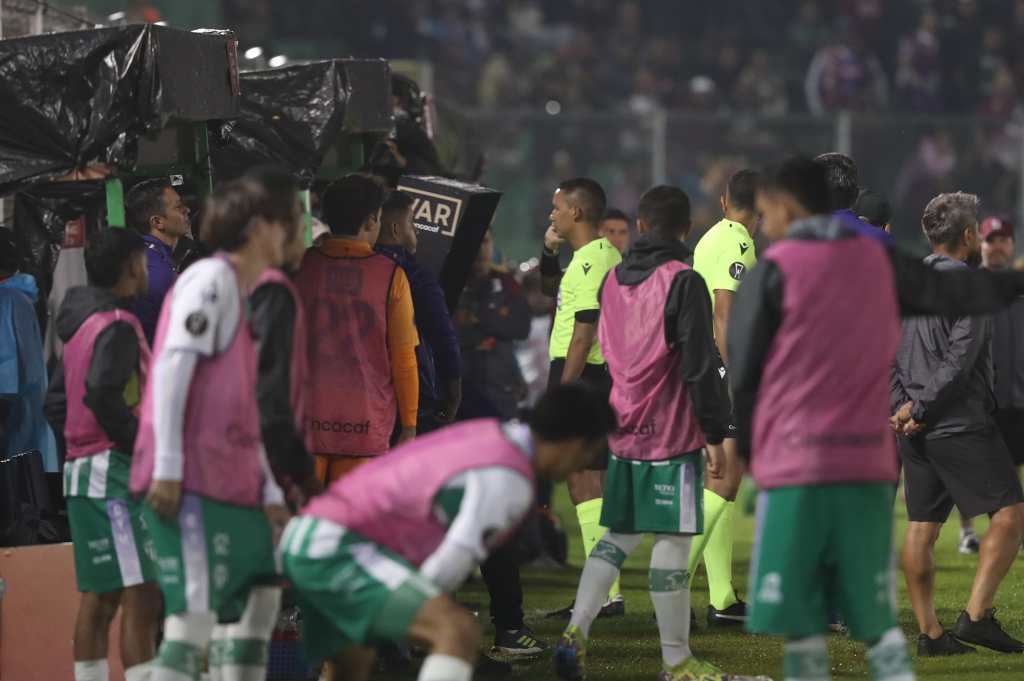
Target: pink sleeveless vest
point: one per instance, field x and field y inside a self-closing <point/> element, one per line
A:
<point x="389" y="499"/>
<point x="222" y="441"/>
<point x="299" y="366"/>
<point x="656" y="420"/>
<point x="83" y="433"/>
<point x="353" y="404"/>
<point x="823" y="405"/>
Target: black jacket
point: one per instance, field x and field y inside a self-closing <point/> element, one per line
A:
<point x="1008" y="355"/>
<point x="115" y="361"/>
<point x="944" y="366"/>
<point x="273" y="322"/>
<point x="688" y="323"/>
<point x="921" y="290"/>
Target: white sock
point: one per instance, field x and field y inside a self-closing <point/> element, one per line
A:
<point x="889" y="659"/>
<point x="445" y="668"/>
<point x="669" y="585"/>
<point x="181" y="653"/>
<point x="239" y="650"/>
<point x="599" y="573"/>
<point x="92" y="670"/>
<point x="138" y="672"/>
<point x="806" y="659"/>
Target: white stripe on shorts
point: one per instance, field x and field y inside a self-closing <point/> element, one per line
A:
<point x="193" y="553"/>
<point x="325" y="539"/>
<point x="76" y="471"/>
<point x="124" y="542"/>
<point x="379" y="566"/>
<point x="98" y="475"/>
<point x="687" y="499"/>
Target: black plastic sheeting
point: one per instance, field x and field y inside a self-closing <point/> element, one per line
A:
<point x="69" y="100"/>
<point x="40" y="217"/>
<point x="288" y="116"/>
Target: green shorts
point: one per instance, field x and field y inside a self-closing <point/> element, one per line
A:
<point x="665" y="497"/>
<point x="351" y="591"/>
<point x="211" y="555"/>
<point x="112" y="547"/>
<point x="820" y="547"/>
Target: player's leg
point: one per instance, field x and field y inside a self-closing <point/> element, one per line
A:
<point x="140" y="619"/>
<point x="238" y="651"/>
<point x="969" y="542"/>
<point x="586" y="494"/>
<point x="720" y="499"/>
<point x="978" y="472"/>
<point x="92" y="629"/>
<point x="452" y="636"/>
<point x="501" y="575"/>
<point x="864" y="586"/>
<point x="918" y="562"/>
<point x="355" y="663"/>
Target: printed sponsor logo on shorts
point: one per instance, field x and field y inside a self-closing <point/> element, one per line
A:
<point x="221" y="544"/>
<point x="105" y="558"/>
<point x="221" y="575"/>
<point x="649" y="428"/>
<point x="771" y="589"/>
<point x="341" y="426"/>
<point x="99" y="545"/>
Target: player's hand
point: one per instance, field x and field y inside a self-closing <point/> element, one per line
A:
<point x="552" y="241"/>
<point x="912" y="427"/>
<point x="715" y="460"/>
<point x="407" y="435"/>
<point x="278" y="516"/>
<point x="902" y="415"/>
<point x="164" y="497"/>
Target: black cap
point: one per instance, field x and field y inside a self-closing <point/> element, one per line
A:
<point x="872" y="208"/>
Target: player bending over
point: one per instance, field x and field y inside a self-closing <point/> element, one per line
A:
<point x="371" y="558"/>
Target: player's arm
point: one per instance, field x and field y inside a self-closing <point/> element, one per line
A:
<point x="584" y="331"/>
<point x="723" y="306"/>
<point x="949" y="379"/>
<point x="924" y="290"/>
<point x="688" y="325"/>
<point x="273" y="324"/>
<point x="115" y="361"/>
<point x="550" y="269"/>
<point x="402" y="341"/>
<point x="755" y="319"/>
<point x="494" y="501"/>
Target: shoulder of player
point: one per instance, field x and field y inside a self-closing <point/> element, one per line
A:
<point x="210" y="282"/>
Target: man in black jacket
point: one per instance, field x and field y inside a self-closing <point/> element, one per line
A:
<point x="942" y="399"/>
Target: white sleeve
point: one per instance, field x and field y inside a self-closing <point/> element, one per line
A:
<point x="272" y="494"/>
<point x="172" y="377"/>
<point x="494" y="500"/>
<point x="205" y="313"/>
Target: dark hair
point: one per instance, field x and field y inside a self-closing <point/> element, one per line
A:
<point x="588" y="196"/>
<point x="841" y="176"/>
<point x="873" y="208"/>
<point x="947" y="216"/>
<point x="741" y="189"/>
<point x="397" y="202"/>
<point x="269" y="193"/>
<point x="665" y="210"/>
<point x="347" y="203"/>
<point x="801" y="178"/>
<point x="145" y="200"/>
<point x="107" y="253"/>
<point x="615" y="214"/>
<point x="572" y="410"/>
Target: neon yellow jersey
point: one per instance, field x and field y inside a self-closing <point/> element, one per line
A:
<point x="723" y="256"/>
<point x="578" y="292"/>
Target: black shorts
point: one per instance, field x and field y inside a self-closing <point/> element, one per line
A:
<point x="972" y="471"/>
<point x="595" y="375"/>
<point x="1011" y="426"/>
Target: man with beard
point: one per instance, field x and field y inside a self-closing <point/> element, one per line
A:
<point x="942" y="399"/>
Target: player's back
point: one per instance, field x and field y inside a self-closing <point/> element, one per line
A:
<point x="822" y="406"/>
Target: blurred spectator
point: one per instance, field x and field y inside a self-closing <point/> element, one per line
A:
<point x="615" y="228"/>
<point x="918" y="74"/>
<point x="760" y="87"/>
<point x="534" y="361"/>
<point x="845" y="75"/>
<point x="23" y="378"/>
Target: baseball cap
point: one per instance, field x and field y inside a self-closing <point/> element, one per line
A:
<point x="995" y="226"/>
<point x="872" y="208"/>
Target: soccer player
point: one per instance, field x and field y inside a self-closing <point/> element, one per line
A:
<point x="873" y="208"/>
<point x="371" y="558"/>
<point x="813" y="334"/>
<point x="723" y="256"/>
<point x="577" y="207"/>
<point x="93" y="399"/>
<point x="669" y="389"/>
<point x="943" y="399"/>
<point x="615" y="228"/>
<point x="213" y="508"/>
<point x="843" y="191"/>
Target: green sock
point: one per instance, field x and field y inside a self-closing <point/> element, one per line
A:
<point x="718" y="560"/>
<point x="713" y="507"/>
<point x="589" y="515"/>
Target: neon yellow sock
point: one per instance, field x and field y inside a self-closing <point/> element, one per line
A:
<point x="713" y="507"/>
<point x="718" y="560"/>
<point x="589" y="515"/>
